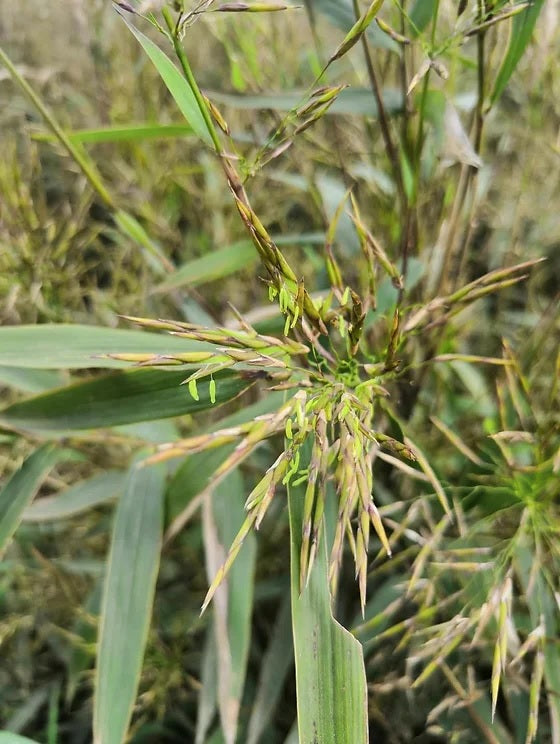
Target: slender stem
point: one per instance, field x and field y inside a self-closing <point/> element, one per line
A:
<point x="467" y="172"/>
<point x="479" y="114"/>
<point x="410" y="217"/>
<point x="422" y="111"/>
<point x="451" y="232"/>
<point x="310" y="12"/>
<point x="404" y="79"/>
<point x="392" y="151"/>
<point x="182" y="57"/>
<point x="85" y="165"/>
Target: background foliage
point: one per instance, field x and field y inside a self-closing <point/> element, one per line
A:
<point x="464" y="617"/>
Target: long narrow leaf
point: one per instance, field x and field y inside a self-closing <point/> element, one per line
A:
<point x="30" y="380"/>
<point x="208" y="693"/>
<point x="128" y="133"/>
<point x="65" y="346"/>
<point x="357" y="101"/>
<point x="20" y="489"/>
<point x="226" y="261"/>
<point x="276" y="662"/>
<point x="77" y="499"/>
<point x="233" y="626"/>
<point x="421" y="14"/>
<point x="215" y="265"/>
<point x="175" y="82"/>
<point x="6" y="737"/>
<point x="117" y="398"/>
<point x="127" y="602"/>
<point x="330" y="673"/>
<point x="341" y="13"/>
<point x="522" y="27"/>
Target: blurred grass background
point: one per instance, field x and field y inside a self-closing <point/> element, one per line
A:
<point x="62" y="260"/>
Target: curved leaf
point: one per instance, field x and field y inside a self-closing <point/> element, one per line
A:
<point x="330" y="673"/>
<point x="234" y="599"/>
<point x="20" y="489"/>
<point x="356" y="101"/>
<point x="117" y="398"/>
<point x="124" y="133"/>
<point x="276" y="662"/>
<point x="421" y="14"/>
<point x="66" y="346"/>
<point x="227" y="260"/>
<point x="522" y="27"/>
<point x="30" y="380"/>
<point x="214" y="265"/>
<point x="175" y="82"/>
<point x="76" y="499"/>
<point x="341" y="14"/>
<point x="127" y="602"/>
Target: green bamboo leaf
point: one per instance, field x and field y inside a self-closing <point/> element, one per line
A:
<point x="276" y="662"/>
<point x="21" y="488"/>
<point x="154" y="432"/>
<point x="30" y="380"/>
<point x="356" y="101"/>
<point x="6" y="737"/>
<point x="233" y="627"/>
<point x="522" y="27"/>
<point x="215" y="265"/>
<point x="117" y="398"/>
<point x="226" y="261"/>
<point x="84" y="631"/>
<point x="127" y="602"/>
<point x="421" y="14"/>
<point x="68" y="346"/>
<point x="175" y="82"/>
<point x="328" y="659"/>
<point x="341" y="14"/>
<point x="78" y="498"/>
<point x="128" y="133"/>
<point x="208" y="694"/>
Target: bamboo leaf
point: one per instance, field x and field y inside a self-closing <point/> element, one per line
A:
<point x="128" y="133"/>
<point x="226" y="261"/>
<point x="21" y="488"/>
<point x="117" y="398"/>
<point x="30" y="380"/>
<point x="278" y="658"/>
<point x="522" y="27"/>
<point x="6" y="737"/>
<point x="356" y="101"/>
<point x="208" y="695"/>
<point x="84" y="633"/>
<point x="328" y="659"/>
<point x="214" y="265"/>
<point x="174" y="81"/>
<point x="233" y="626"/>
<point x="421" y="14"/>
<point x="68" y="346"/>
<point x="127" y="601"/>
<point x="77" y="499"/>
<point x="341" y="14"/>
